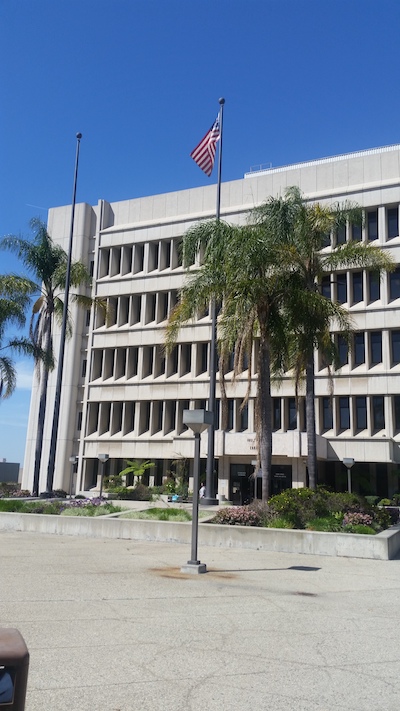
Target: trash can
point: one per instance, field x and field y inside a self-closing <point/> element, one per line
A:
<point x="14" y="667"/>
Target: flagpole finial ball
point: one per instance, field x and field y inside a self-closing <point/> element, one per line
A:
<point x="221" y="101"/>
<point x="79" y="136"/>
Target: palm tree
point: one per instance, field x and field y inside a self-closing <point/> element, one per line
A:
<point x="136" y="468"/>
<point x="47" y="263"/>
<point x="309" y="314"/>
<point x="240" y="270"/>
<point x="14" y="299"/>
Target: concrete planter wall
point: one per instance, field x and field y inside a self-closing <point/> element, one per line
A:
<point x="384" y="546"/>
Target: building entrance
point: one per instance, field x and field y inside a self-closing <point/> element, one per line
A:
<point x="244" y="487"/>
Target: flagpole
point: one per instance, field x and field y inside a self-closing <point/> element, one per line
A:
<point x="56" y="415"/>
<point x="210" y="498"/>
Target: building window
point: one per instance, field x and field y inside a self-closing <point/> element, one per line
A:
<point x="138" y="259"/>
<point x="358" y="294"/>
<point x="327" y="418"/>
<point x="361" y="413"/>
<point x="395" y="337"/>
<point x="231" y="409"/>
<point x="84" y="366"/>
<point x="341" y="234"/>
<point x="359" y="349"/>
<point x="396" y="408"/>
<point x="374" y="286"/>
<point x="394" y="284"/>
<point x="276" y="413"/>
<point x="186" y="358"/>
<point x="244" y="418"/>
<point x="375" y="339"/>
<point x="378" y="412"/>
<point x="356" y="232"/>
<point x="292" y="413"/>
<point x="392" y="216"/>
<point x="343" y="350"/>
<point x="372" y="225"/>
<point x="326" y="287"/>
<point x="344" y="413"/>
<point x="341" y="288"/>
<point x="79" y="422"/>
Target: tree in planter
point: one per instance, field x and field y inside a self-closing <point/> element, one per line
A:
<point x="136" y="468"/>
<point x="47" y="263"/>
<point x="309" y="314"/>
<point x="241" y="271"/>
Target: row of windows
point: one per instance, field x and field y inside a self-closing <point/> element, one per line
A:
<point x="379" y="223"/>
<point x="358" y="413"/>
<point x="140" y="258"/>
<point x="192" y="359"/>
<point x="369" y="349"/>
<point x="356" y="287"/>
<point x="338" y="414"/>
<point x="135" y="362"/>
<point x="137" y="309"/>
<point x="166" y="254"/>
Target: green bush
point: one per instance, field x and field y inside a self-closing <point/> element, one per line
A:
<point x="139" y="493"/>
<point x="360" y="528"/>
<point x="279" y="522"/>
<point x="384" y="502"/>
<point x="326" y="523"/>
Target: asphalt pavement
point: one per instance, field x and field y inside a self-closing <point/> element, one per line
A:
<point x="114" y="625"/>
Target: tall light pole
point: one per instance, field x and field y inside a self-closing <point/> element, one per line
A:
<point x="348" y="463"/>
<point x="60" y="366"/>
<point x="198" y="421"/>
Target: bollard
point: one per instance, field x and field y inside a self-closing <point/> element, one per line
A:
<point x="14" y="667"/>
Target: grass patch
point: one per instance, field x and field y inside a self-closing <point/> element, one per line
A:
<point x="159" y="514"/>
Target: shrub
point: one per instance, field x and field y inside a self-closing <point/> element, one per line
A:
<point x="280" y="522"/>
<point x="372" y="500"/>
<point x="299" y="505"/>
<point x="384" y="502"/>
<point x="55" y="494"/>
<point x="263" y="512"/>
<point x="237" y="516"/>
<point x="327" y="524"/>
<point x="356" y="518"/>
<point x="360" y="528"/>
<point x="139" y="493"/>
<point x="396" y="499"/>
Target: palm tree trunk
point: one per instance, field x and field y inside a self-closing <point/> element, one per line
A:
<point x="39" y="431"/>
<point x="264" y="424"/>
<point x="42" y="409"/>
<point x="310" y="423"/>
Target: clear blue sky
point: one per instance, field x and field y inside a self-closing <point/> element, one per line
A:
<point x="140" y="79"/>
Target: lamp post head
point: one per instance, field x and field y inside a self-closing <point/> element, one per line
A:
<point x="348" y="462"/>
<point x="197" y="420"/>
<point x="103" y="458"/>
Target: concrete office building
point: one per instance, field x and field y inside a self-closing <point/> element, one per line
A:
<point x="123" y="397"/>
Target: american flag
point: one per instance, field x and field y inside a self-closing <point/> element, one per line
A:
<point x="204" y="153"/>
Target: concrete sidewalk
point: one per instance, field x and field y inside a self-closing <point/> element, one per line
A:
<point x="113" y="625"/>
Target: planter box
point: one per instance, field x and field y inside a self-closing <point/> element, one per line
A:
<point x="383" y="546"/>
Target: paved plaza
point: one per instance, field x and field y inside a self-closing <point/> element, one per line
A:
<point x="113" y="625"/>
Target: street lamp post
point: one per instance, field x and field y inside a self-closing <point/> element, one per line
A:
<point x="73" y="460"/>
<point x="348" y="463"/>
<point x="103" y="458"/>
<point x="198" y="421"/>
